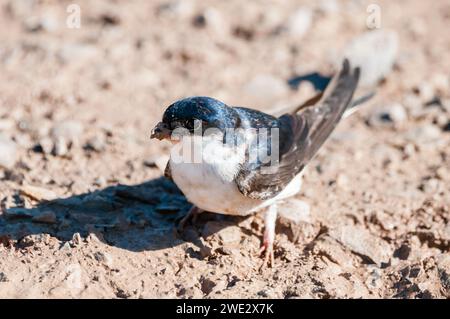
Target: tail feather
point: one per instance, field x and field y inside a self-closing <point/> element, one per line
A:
<point x="353" y="107"/>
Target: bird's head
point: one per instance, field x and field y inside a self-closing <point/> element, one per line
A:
<point x="195" y="115"/>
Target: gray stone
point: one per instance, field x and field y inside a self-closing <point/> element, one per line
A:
<point x="375" y="53"/>
<point x="362" y="242"/>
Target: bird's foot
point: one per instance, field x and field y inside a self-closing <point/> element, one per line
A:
<point x="192" y="214"/>
<point x="269" y="260"/>
<point x="269" y="237"/>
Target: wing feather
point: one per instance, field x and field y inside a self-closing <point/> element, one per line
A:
<point x="301" y="134"/>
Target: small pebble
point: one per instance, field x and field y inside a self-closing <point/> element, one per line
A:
<point x="425" y="91"/>
<point x="8" y="153"/>
<point x="389" y="115"/>
<point x="96" y="144"/>
<point x="76" y="239"/>
<point x="46" y="145"/>
<point x="300" y="22"/>
<point x="70" y="130"/>
<point x="6" y="124"/>
<point x="38" y="193"/>
<point x="440" y="83"/>
<point x="3" y="277"/>
<point x="424" y="134"/>
<point x="60" y="147"/>
<point x="104" y="258"/>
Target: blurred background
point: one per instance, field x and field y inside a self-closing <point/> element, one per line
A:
<point x="83" y="82"/>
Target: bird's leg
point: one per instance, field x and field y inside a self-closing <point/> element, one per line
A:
<point x="269" y="235"/>
<point x="192" y="214"/>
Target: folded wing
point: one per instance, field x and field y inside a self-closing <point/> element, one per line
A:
<point x="301" y="134"/>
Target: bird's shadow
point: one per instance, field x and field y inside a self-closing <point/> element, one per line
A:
<point x="319" y="81"/>
<point x="137" y="218"/>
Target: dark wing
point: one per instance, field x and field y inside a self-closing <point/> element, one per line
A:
<point x="301" y="135"/>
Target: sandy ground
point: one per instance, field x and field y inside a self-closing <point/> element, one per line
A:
<point x="85" y="212"/>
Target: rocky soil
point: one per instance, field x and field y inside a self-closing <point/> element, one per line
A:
<point x="85" y="212"/>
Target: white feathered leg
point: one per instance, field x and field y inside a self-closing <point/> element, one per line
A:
<point x="269" y="235"/>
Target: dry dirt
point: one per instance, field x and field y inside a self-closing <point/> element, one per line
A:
<point x="85" y="212"/>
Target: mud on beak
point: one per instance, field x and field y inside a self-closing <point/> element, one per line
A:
<point x="161" y="131"/>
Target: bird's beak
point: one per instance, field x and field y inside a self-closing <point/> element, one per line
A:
<point x="161" y="131"/>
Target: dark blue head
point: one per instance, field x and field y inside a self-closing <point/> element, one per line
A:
<point x="185" y="113"/>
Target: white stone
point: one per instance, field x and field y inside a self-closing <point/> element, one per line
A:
<point x="424" y="134"/>
<point x="266" y="87"/>
<point x="295" y="210"/>
<point x="69" y="130"/>
<point x="375" y="53"/>
<point x="390" y="114"/>
<point x="441" y="83"/>
<point x="300" y="22"/>
<point x="8" y="153"/>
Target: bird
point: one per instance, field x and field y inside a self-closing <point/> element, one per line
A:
<point x="250" y="174"/>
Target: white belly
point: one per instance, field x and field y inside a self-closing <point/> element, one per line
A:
<point x="209" y="183"/>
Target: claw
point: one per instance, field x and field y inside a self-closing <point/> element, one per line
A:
<point x="269" y="237"/>
<point x="269" y="259"/>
